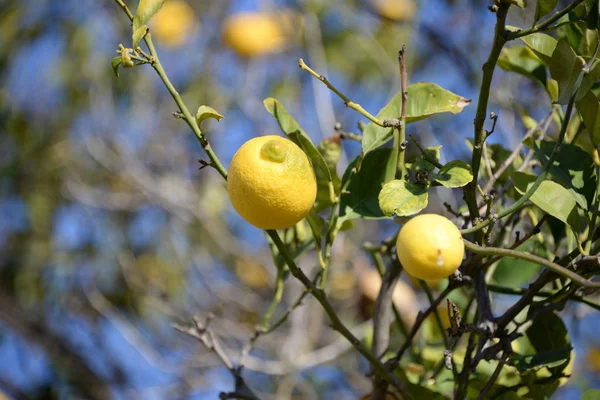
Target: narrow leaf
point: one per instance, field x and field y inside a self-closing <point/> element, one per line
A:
<point x="145" y="11"/>
<point x="116" y="63"/>
<point x="138" y="34"/>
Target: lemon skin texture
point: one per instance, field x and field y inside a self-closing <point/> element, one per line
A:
<point x="173" y="23"/>
<point x="253" y="34"/>
<point x="430" y="247"/>
<point x="271" y="183"/>
<point x="395" y="10"/>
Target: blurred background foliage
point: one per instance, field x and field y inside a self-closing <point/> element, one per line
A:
<point x="109" y="233"/>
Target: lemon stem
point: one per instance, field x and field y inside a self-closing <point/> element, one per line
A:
<point x="274" y="150"/>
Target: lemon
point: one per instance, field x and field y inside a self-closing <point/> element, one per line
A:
<point x="430" y="247"/>
<point x="175" y="21"/>
<point x="253" y="34"/>
<point x="271" y="182"/>
<point x="396" y="10"/>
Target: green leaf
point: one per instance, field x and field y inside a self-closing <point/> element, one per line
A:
<point x="364" y="187"/>
<point x="138" y="34"/>
<point x="522" y="60"/>
<point x="566" y="68"/>
<point x="548" y="333"/>
<point x="421" y="164"/>
<point x="542" y="8"/>
<point x="550" y="197"/>
<point x="116" y="63"/>
<point x="331" y="152"/>
<point x="589" y="108"/>
<point x="519" y="3"/>
<point x="289" y="126"/>
<point x="515" y="272"/>
<point x="402" y="199"/>
<point x="454" y="174"/>
<point x="542" y="45"/>
<point x="424" y="100"/>
<point x="573" y="169"/>
<point x="205" y="112"/>
<point x="591" y="394"/>
<point x="145" y="11"/>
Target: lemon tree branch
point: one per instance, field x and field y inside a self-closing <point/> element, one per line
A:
<point x="546" y="25"/>
<point x="336" y="323"/>
<point x="558" y="269"/>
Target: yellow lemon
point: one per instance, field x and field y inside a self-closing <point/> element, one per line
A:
<point x="430" y="247"/>
<point x="271" y="182"/>
<point x="173" y="23"/>
<point x="397" y="10"/>
<point x="253" y="34"/>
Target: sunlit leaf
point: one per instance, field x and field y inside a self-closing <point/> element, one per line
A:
<point x="138" y="34"/>
<point x="205" y="112"/>
<point x="454" y="174"/>
<point x="289" y="126"/>
<point x="522" y="60"/>
<point x="401" y="198"/>
<point x="145" y="11"/>
<point x="424" y="100"/>
<point x="550" y="197"/>
<point x="519" y="3"/>
<point x="542" y="45"/>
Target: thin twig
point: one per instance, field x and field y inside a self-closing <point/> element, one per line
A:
<point x="558" y="269"/>
<point x="546" y="25"/>
<point x="206" y="336"/>
<point x="350" y="104"/>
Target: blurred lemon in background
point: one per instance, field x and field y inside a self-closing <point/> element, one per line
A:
<point x="253" y="34"/>
<point x="396" y="10"/>
<point x="174" y="23"/>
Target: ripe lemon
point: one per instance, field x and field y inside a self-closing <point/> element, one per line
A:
<point x="430" y="247"/>
<point x="271" y="182"/>
<point x="396" y="10"/>
<point x="253" y="34"/>
<point x="173" y="23"/>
